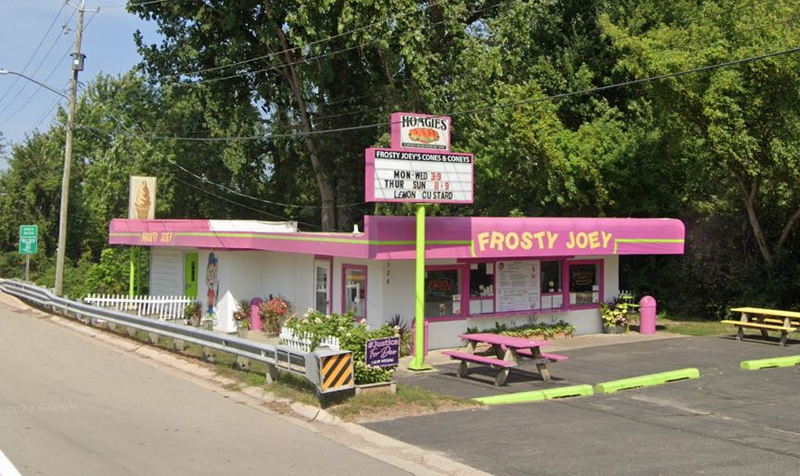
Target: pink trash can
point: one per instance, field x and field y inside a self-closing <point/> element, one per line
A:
<point x="647" y="316"/>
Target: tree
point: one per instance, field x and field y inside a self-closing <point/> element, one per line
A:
<point x="737" y="128"/>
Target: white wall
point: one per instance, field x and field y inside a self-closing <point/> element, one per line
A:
<point x="166" y="271"/>
<point x="390" y="288"/>
<point x="244" y="275"/>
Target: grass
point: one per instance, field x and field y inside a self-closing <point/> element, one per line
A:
<point x="692" y="327"/>
<point x="409" y="400"/>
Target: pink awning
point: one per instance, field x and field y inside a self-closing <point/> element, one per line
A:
<point x="388" y="238"/>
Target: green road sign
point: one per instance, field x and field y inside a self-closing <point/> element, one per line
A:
<point x="28" y="239"/>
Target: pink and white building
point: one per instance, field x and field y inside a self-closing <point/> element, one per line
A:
<point x="479" y="270"/>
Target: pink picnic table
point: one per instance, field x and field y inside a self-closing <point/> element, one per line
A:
<point x="507" y="351"/>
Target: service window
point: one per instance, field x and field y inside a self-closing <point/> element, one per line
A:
<point x="354" y="287"/>
<point x="481" y="288"/>
<point x="443" y="292"/>
<point x="552" y="295"/>
<point x="584" y="283"/>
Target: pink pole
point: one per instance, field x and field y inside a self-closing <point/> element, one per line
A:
<point x="255" y="318"/>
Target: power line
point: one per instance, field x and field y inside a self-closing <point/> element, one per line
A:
<point x="306" y="60"/>
<point x="554" y="97"/>
<point x="200" y="189"/>
<point x="36" y="91"/>
<point x="36" y="70"/>
<point x="35" y="51"/>
<point x="308" y="45"/>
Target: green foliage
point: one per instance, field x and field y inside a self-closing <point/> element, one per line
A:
<point x="531" y="330"/>
<point x="353" y="336"/>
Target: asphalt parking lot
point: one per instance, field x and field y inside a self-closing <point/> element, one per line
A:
<point x="730" y="421"/>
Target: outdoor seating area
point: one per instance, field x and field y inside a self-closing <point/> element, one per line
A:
<point x="503" y="354"/>
<point x="765" y="320"/>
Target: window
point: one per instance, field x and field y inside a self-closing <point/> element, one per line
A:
<point x="443" y="292"/>
<point x="354" y="287"/>
<point x="481" y="280"/>
<point x="552" y="297"/>
<point x="584" y="283"/>
<point x="322" y="270"/>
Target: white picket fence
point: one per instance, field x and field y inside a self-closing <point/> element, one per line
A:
<point x="303" y="341"/>
<point x="166" y="308"/>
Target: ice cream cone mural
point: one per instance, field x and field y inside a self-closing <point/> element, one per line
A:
<point x="142" y="198"/>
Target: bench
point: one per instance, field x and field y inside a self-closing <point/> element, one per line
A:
<point x="765" y="320"/>
<point x="464" y="357"/>
<point x="551" y="357"/>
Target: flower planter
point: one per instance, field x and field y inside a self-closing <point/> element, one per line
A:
<point x="614" y="329"/>
<point x="380" y="387"/>
<point x="208" y="325"/>
<point x="242" y="332"/>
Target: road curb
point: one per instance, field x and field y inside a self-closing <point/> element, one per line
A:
<point x="376" y="445"/>
<point x="537" y="395"/>
<point x="789" y="361"/>
<point x="647" y="380"/>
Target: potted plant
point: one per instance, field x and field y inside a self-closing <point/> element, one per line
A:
<point x="242" y="317"/>
<point x="273" y="313"/>
<point x="616" y="315"/>
<point x="192" y="313"/>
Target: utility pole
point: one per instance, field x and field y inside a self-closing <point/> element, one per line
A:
<point x="77" y="66"/>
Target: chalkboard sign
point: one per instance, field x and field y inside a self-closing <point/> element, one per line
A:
<point x="382" y="352"/>
<point x="517" y="285"/>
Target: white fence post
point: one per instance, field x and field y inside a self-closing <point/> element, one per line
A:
<point x="161" y="307"/>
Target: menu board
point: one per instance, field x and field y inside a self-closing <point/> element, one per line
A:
<point x="517" y="285"/>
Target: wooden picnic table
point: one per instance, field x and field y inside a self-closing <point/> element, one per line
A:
<point x="506" y="351"/>
<point x="765" y="320"/>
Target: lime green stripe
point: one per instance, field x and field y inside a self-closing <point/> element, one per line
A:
<point x="647" y="380"/>
<point x="320" y="239"/>
<point x="789" y="361"/>
<point x="643" y="240"/>
<point x="536" y="395"/>
<point x="472" y="249"/>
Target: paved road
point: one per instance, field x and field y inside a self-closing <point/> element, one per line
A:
<point x="70" y="406"/>
<point x="730" y="421"/>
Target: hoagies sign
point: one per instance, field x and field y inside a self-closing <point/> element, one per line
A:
<point x="419" y="168"/>
<point x="419" y="131"/>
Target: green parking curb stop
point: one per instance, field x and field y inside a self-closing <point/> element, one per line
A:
<point x="647" y="380"/>
<point x="536" y="395"/>
<point x="789" y="361"/>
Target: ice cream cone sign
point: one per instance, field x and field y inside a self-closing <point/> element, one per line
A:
<point x="142" y="204"/>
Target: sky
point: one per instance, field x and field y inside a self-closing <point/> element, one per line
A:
<point x="107" y="43"/>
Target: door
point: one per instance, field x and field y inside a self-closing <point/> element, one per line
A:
<point x="190" y="261"/>
<point x="322" y="286"/>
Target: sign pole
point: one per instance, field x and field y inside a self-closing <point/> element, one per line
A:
<point x="418" y="363"/>
<point x="132" y="273"/>
<point x="27" y="268"/>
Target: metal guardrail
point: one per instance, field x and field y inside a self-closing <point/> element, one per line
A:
<point x="306" y="364"/>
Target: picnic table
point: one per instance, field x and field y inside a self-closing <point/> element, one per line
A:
<point x="765" y="320"/>
<point x="504" y="353"/>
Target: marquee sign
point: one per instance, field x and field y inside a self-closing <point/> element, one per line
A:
<point x="418" y="177"/>
<point x="419" y="167"/>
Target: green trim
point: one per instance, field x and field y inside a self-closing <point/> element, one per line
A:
<point x="644" y="240"/>
<point x="418" y="363"/>
<point x="789" y="361"/>
<point x="472" y="249"/>
<point x="132" y="271"/>
<point x="647" y="380"/>
<point x="353" y="241"/>
<point x="536" y="395"/>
